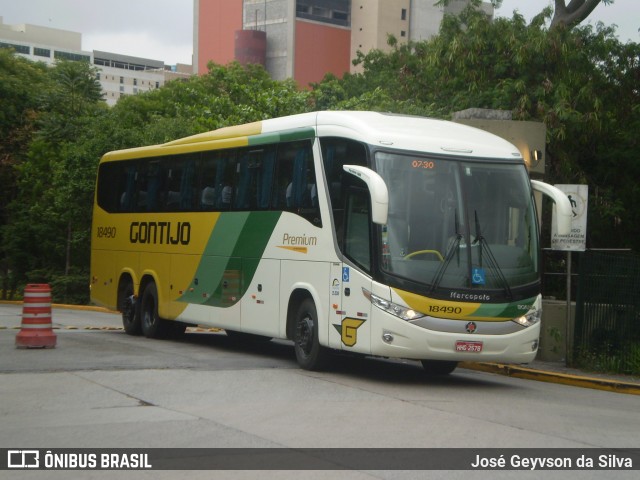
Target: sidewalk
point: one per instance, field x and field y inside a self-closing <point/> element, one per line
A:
<point x="556" y="372"/>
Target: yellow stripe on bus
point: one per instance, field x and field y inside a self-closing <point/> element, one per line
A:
<point x="247" y="130"/>
<point x="155" y="150"/>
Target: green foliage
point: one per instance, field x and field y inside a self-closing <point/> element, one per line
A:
<point x="64" y="128"/>
<point x="229" y="95"/>
<point x="21" y="85"/>
<point x="581" y="82"/>
<point x="51" y="209"/>
<point x="623" y="359"/>
<point x="70" y="289"/>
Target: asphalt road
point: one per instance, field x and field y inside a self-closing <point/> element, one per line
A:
<point x="100" y="388"/>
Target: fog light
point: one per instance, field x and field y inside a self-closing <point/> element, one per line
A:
<point x="387" y="337"/>
<point x="534" y="346"/>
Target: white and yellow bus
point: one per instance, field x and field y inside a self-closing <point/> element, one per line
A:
<point x="372" y="233"/>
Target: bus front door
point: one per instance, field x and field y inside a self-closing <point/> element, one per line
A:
<point x="352" y="318"/>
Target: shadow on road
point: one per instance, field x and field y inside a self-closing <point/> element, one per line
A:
<point x="397" y="372"/>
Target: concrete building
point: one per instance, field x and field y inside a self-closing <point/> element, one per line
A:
<point x="119" y="75"/>
<point x="426" y="18"/>
<point x="306" y="39"/>
<point x="42" y="44"/>
<point x="122" y="75"/>
<point x="303" y="39"/>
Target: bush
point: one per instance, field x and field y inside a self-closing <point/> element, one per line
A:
<point x="72" y="289"/>
<point x="609" y="359"/>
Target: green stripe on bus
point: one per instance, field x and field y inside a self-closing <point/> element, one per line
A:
<point x="231" y="258"/>
<point x="504" y="310"/>
<point x="297" y="134"/>
<point x="286" y="136"/>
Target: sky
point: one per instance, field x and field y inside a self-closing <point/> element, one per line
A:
<point x="163" y="29"/>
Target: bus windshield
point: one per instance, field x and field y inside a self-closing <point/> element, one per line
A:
<point x="458" y="224"/>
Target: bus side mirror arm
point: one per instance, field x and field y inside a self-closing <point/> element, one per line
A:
<point x="564" y="213"/>
<point x="377" y="190"/>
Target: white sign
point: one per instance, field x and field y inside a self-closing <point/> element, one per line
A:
<point x="578" y="196"/>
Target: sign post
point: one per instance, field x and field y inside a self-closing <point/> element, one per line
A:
<point x="574" y="241"/>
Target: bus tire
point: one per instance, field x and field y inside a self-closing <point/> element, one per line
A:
<point x="152" y="325"/>
<point x="438" y="367"/>
<point x="309" y="353"/>
<point x="129" y="308"/>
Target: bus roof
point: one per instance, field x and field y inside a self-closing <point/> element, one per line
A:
<point x="385" y="130"/>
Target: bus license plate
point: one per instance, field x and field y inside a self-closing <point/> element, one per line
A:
<point x="471" y="347"/>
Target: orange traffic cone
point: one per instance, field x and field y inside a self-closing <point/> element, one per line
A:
<point x="36" y="327"/>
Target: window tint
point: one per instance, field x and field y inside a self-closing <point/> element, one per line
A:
<point x="218" y="171"/>
<point x="337" y="152"/>
<point x="255" y="179"/>
<point x="296" y="188"/>
<point x="357" y="239"/>
<point x="277" y="177"/>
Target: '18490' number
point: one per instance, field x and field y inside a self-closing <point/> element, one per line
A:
<point x="106" y="232"/>
<point x="444" y="309"/>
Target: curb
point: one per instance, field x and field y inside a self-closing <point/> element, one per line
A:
<point x="594" y="383"/>
<point x="91" y="308"/>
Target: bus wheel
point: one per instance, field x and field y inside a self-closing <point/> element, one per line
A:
<point x="438" y="367"/>
<point x="309" y="353"/>
<point x="152" y="325"/>
<point x="129" y="309"/>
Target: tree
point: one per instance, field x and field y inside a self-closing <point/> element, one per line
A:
<point x="575" y="12"/>
<point x="21" y="84"/>
<point x="47" y="235"/>
<point x="581" y="82"/>
<point x="75" y="92"/>
<point x="47" y="221"/>
<point x="568" y="15"/>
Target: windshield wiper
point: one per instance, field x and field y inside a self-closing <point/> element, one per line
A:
<point x="454" y="247"/>
<point x="493" y="263"/>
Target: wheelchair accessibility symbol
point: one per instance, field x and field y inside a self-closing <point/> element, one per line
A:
<point x="478" y="276"/>
<point x="345" y="274"/>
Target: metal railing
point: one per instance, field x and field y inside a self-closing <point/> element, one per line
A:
<point x="607" y="333"/>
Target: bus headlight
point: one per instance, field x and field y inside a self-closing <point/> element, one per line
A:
<point x="405" y="313"/>
<point x="530" y="318"/>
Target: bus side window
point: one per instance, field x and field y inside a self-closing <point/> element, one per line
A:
<point x="337" y="152"/>
<point x="357" y="228"/>
<point x="207" y="176"/>
<point x="116" y="183"/>
<point x="188" y="181"/>
<point x="129" y="194"/>
<point x="298" y="195"/>
<point x="141" y="187"/>
<point x="245" y="174"/>
<point x="172" y="194"/>
<point x="255" y="179"/>
<point x="225" y="179"/>
<point x="154" y="198"/>
<point x="282" y="184"/>
<point x="296" y="181"/>
<point x="265" y="179"/>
